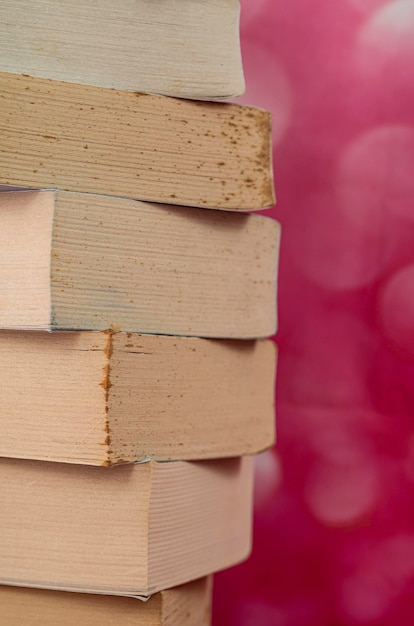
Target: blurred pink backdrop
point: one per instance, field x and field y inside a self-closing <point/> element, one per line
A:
<point x="334" y="515"/>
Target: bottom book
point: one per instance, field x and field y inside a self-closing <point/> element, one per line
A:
<point x="187" y="605"/>
<point x="132" y="529"/>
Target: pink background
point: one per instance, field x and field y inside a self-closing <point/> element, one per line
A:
<point x="334" y="519"/>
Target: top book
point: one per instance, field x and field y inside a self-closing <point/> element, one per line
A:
<point x="183" y="48"/>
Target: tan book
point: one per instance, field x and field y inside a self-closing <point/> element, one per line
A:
<point x="127" y="530"/>
<point x="186" y="605"/>
<point x="88" y="262"/>
<point x="119" y="143"/>
<point x="102" y="399"/>
<point x="187" y="49"/>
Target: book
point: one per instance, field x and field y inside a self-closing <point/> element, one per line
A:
<point x="186" y="605"/>
<point x="107" y="398"/>
<point x="118" y="143"/>
<point x="185" y="49"/>
<point x="88" y="262"/>
<point x="127" y="530"/>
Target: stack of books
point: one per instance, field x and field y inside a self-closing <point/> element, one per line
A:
<point x="127" y="433"/>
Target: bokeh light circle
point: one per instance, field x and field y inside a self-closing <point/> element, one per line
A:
<point x="381" y="571"/>
<point x="267" y="477"/>
<point x="375" y="179"/>
<point x="385" y="43"/>
<point x="268" y="88"/>
<point x="342" y="494"/>
<point x="368" y="6"/>
<point x="396" y="309"/>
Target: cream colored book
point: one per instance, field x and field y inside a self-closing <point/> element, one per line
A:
<point x="182" y="48"/>
<point x="88" y="262"/>
<point x="102" y="399"/>
<point x="118" y="143"/>
<point x="128" y="530"/>
<point x="186" y="605"/>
